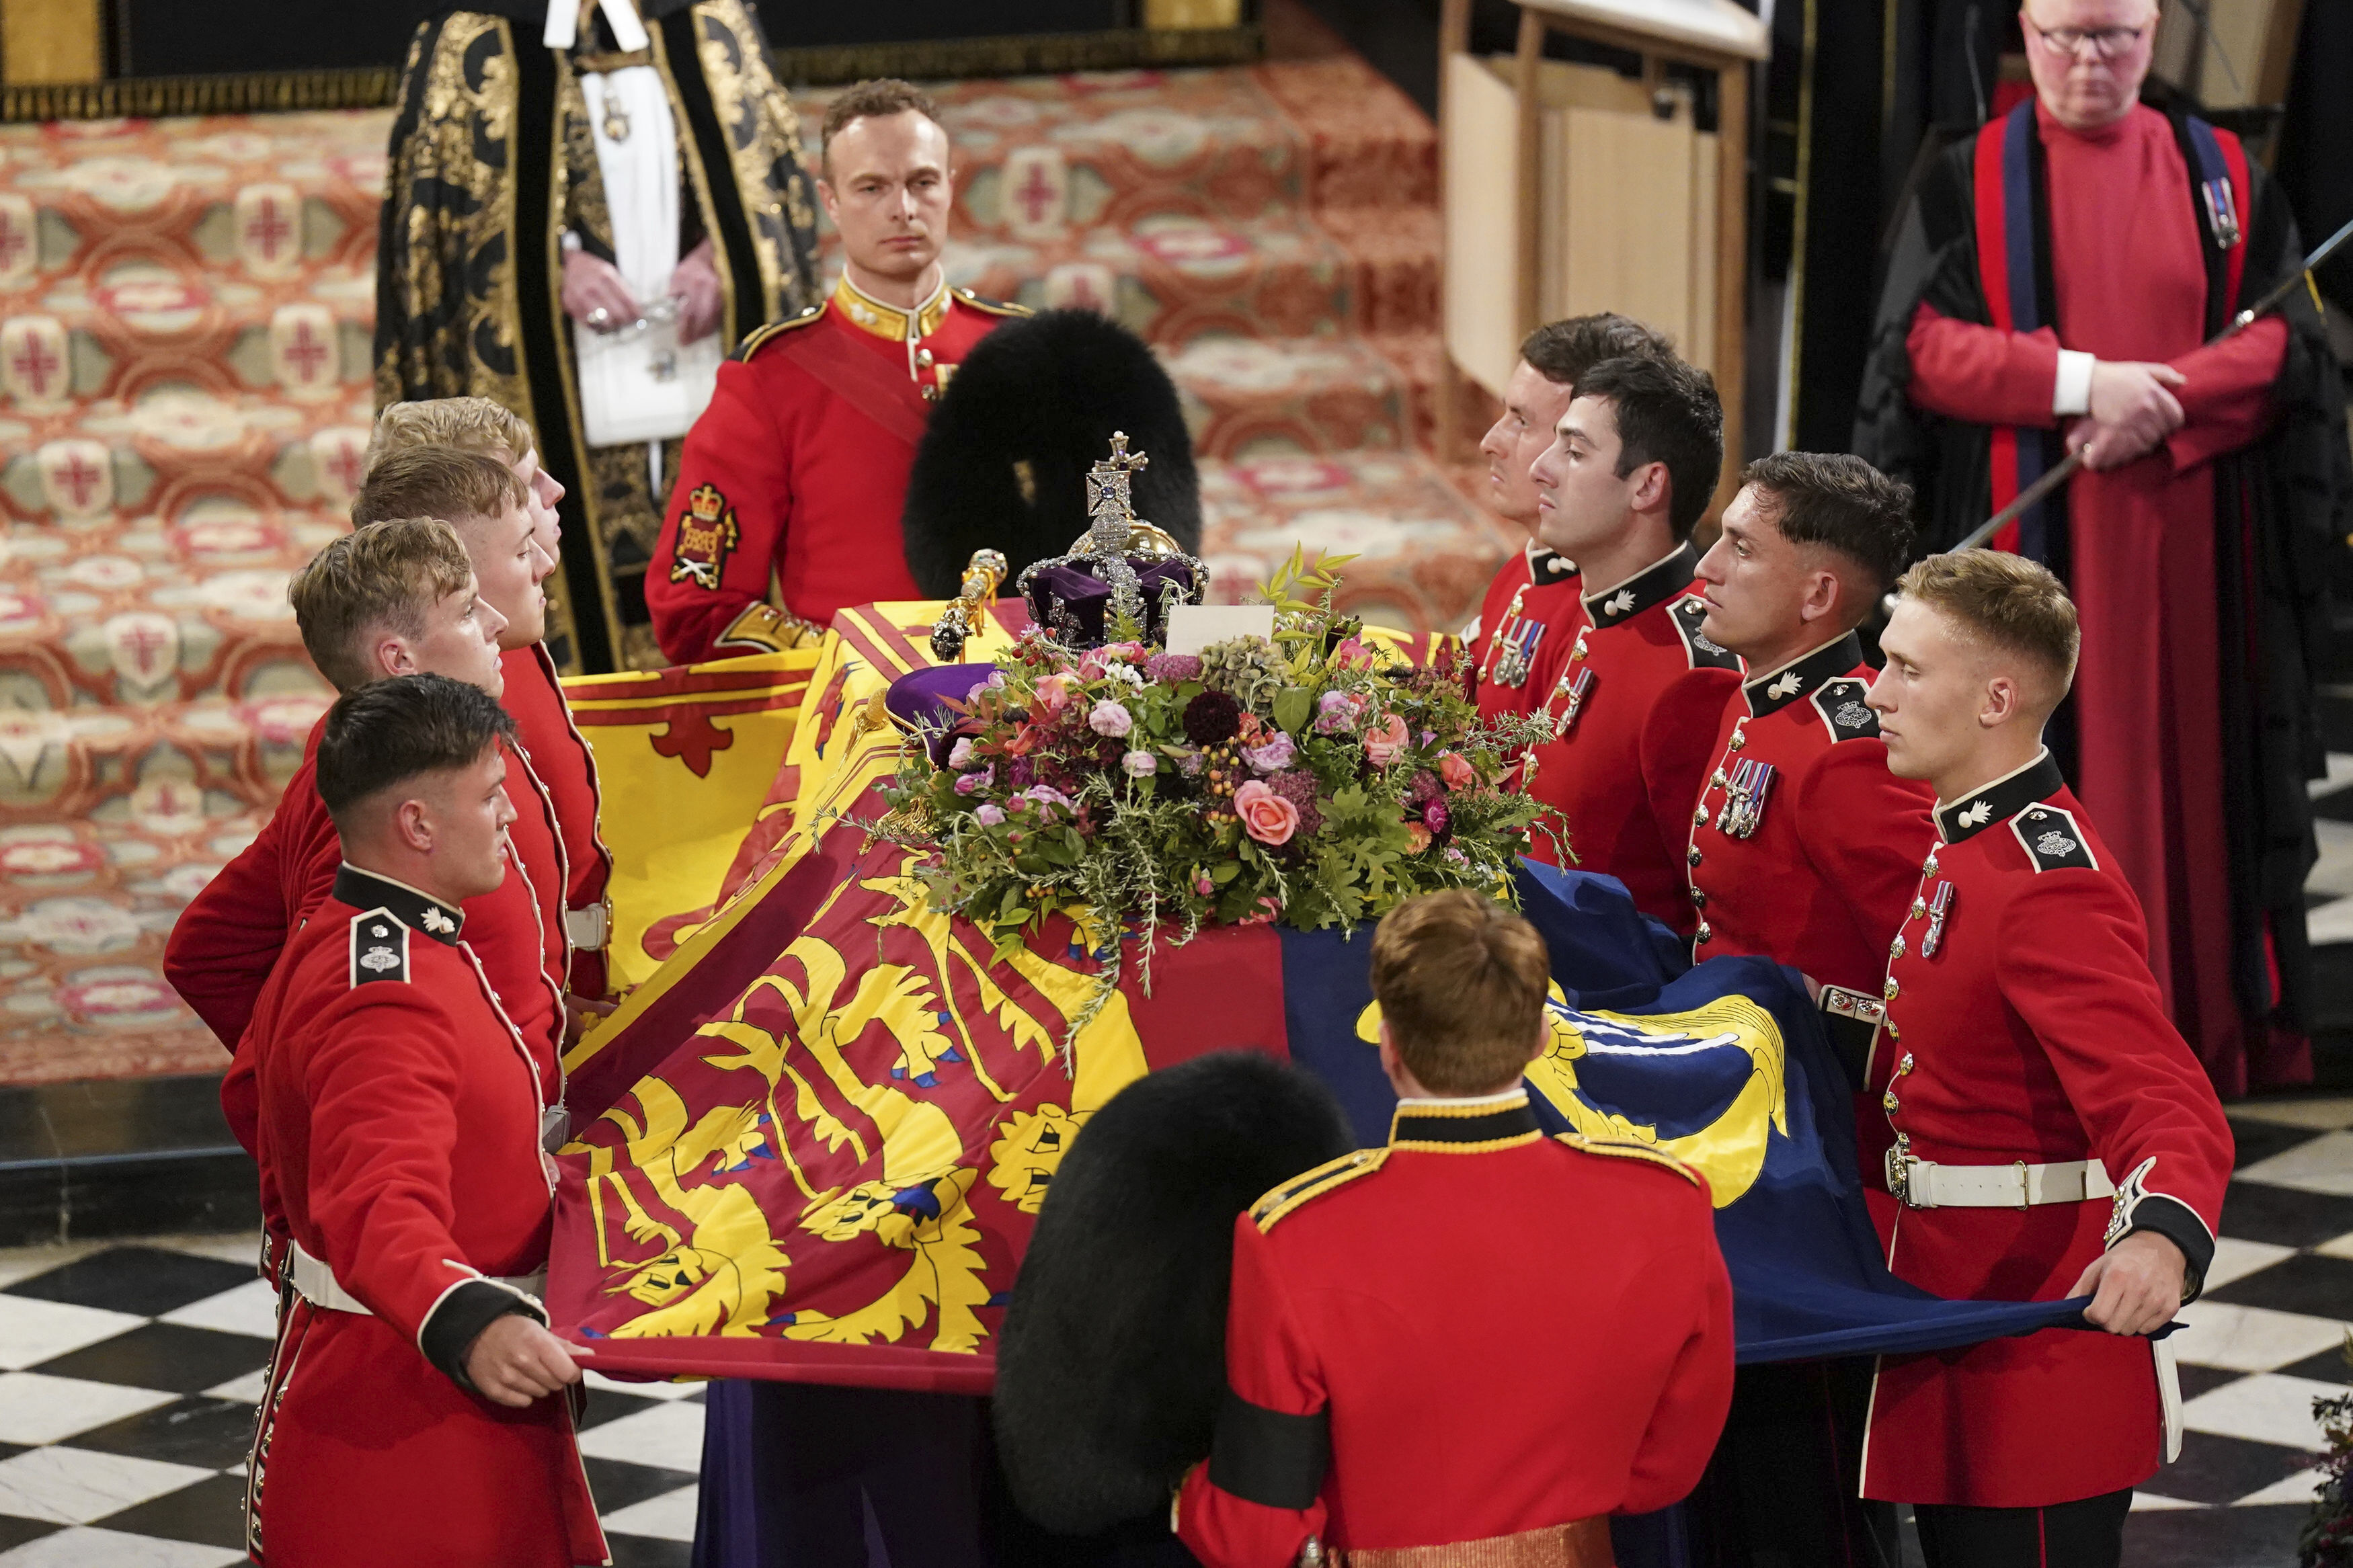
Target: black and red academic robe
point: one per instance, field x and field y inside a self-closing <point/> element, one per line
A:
<point x="2197" y="570"/>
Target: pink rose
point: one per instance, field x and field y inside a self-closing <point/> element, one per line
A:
<point x="1386" y="742"/>
<point x="1054" y="693"/>
<point x="1352" y="654"/>
<point x="1457" y="771"/>
<point x="1266" y="815"/>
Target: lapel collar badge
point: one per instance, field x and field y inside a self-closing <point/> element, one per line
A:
<point x="1979" y="815"/>
<point x="438" y="923"/>
<point x="1788" y="686"/>
<point x="1620" y="602"/>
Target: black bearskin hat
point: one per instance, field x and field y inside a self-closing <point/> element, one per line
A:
<point x="1004" y="462"/>
<point x="1112" y="1362"/>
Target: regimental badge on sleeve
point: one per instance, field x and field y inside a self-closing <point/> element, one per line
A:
<point x="379" y="948"/>
<point x="2051" y="839"/>
<point x="1840" y="704"/>
<point x="706" y="537"/>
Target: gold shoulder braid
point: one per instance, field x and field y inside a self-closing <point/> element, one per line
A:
<point x="1617" y="1149"/>
<point x="1305" y="1188"/>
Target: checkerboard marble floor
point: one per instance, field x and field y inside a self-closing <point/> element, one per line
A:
<point x="129" y="1371"/>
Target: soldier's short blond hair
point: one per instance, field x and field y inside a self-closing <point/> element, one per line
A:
<point x="446" y="482"/>
<point x="2004" y="601"/>
<point x="469" y="424"/>
<point x="384" y="578"/>
<point x="1462" y="981"/>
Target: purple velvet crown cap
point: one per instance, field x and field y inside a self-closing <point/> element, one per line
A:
<point x="1087" y="598"/>
<point x="918" y="703"/>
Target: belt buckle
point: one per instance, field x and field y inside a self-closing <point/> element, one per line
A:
<point x="2025" y="1188"/>
<point x="1899" y="1174"/>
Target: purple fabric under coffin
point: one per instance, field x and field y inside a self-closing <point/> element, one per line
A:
<point x="918" y="702"/>
<point x="1087" y="598"/>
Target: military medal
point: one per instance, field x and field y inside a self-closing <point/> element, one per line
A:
<point x="1518" y="656"/>
<point x="1940" y="907"/>
<point x="1578" y="688"/>
<point x="1732" y="791"/>
<point x="1504" y="631"/>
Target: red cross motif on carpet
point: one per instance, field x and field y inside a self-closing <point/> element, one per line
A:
<point x="342" y="459"/>
<point x="16" y="236"/>
<point x="34" y="366"/>
<point x="268" y="230"/>
<point x="77" y="481"/>
<point x="1036" y="189"/>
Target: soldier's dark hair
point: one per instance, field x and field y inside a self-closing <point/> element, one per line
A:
<point x="1462" y="981"/>
<point x="1562" y="351"/>
<point x="386" y="732"/>
<point x="873" y="97"/>
<point x="1666" y="413"/>
<point x="1839" y="502"/>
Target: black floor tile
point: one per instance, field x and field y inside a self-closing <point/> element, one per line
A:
<point x="2216" y="1470"/>
<point x="617" y="1484"/>
<point x="165" y="1356"/>
<point x="213" y="1433"/>
<point x="2262" y="1140"/>
<point x="2337" y="805"/>
<point x="2328" y="1366"/>
<point x="2197" y="1380"/>
<point x="211" y="1511"/>
<point x="2262" y="1537"/>
<point x="16" y="1531"/>
<point x="605" y="1405"/>
<point x="2282" y="1215"/>
<point x="2309" y="1283"/>
<point x="147" y="1281"/>
<point x="645" y="1551"/>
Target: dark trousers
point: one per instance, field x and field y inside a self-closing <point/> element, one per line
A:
<point x="1785" y="1484"/>
<point x="2085" y="1534"/>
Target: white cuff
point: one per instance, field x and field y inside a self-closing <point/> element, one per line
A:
<point x="2071" y="389"/>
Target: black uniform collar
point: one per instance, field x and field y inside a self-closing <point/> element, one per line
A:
<point x="1546" y="567"/>
<point x="1465" y="1126"/>
<point x="418" y="911"/>
<point x="1654" y="585"/>
<point x="1802" y="676"/>
<point x="2002" y="799"/>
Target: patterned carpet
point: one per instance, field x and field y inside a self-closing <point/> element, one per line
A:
<point x="185" y="317"/>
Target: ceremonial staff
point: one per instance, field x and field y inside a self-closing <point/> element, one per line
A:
<point x="2074" y="459"/>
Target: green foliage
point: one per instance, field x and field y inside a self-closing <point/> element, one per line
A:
<point x="2327" y="1538"/>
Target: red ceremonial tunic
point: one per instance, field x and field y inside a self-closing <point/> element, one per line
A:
<point x="2026" y="1029"/>
<point x="1530" y="611"/>
<point x="566" y="766"/>
<point x="399" y="1125"/>
<point x="1498" y="1332"/>
<point x="1803" y="847"/>
<point x="1634" y="700"/>
<point x="795" y="475"/>
<point x="2130" y="279"/>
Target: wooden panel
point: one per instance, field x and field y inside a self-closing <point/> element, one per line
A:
<point x="1628" y="221"/>
<point x="2237" y="61"/>
<point x="1701" y="344"/>
<point x="1479" y="169"/>
<point x="51" y="40"/>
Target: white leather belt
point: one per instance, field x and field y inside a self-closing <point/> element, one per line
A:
<point x="587" y="928"/>
<point x="1926" y="1184"/>
<point x="315" y="1283"/>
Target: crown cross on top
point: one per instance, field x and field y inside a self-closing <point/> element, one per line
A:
<point x="1108" y="502"/>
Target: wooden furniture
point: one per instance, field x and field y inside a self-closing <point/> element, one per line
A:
<point x="1570" y="188"/>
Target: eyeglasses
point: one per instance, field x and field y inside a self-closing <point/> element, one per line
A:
<point x="2107" y="43"/>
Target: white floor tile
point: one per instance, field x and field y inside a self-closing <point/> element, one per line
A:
<point x="2149" y="1502"/>
<point x="2265" y="1408"/>
<point x="37" y="1408"/>
<point x="249" y="1388"/>
<point x="31" y="1331"/>
<point x="2321" y="1115"/>
<point x="252" y="1309"/>
<point x="668" y="1434"/>
<point x="2330" y="924"/>
<point x="232" y="1246"/>
<point x="2233" y="1259"/>
<point x="74" y="1486"/>
<point x="2301" y="1487"/>
<point x="2322" y="1165"/>
<point x="2333" y="872"/>
<point x="2251" y="1339"/>
<point x="645" y="1390"/>
<point x="24" y="1262"/>
<point x="2340" y="1247"/>
<point x="669" y="1517"/>
<point x="2340" y="775"/>
<point x="113" y="1549"/>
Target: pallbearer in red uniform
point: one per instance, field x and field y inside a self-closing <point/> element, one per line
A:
<point x="1804" y="848"/>
<point x="1637" y="692"/>
<point x="560" y="755"/>
<point x="786" y="505"/>
<point x="1391" y="1391"/>
<point x="1531" y="609"/>
<point x="2054" y="1136"/>
<point x="414" y="1411"/>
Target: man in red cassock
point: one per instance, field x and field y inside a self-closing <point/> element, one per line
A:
<point x="1531" y="609"/>
<point x="415" y="1410"/>
<point x="1382" y="1395"/>
<point x="2050" y="291"/>
<point x="787" y="501"/>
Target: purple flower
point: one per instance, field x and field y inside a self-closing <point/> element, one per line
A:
<point x="1044" y="795"/>
<point x="990" y="816"/>
<point x="967" y="782"/>
<point x="960" y="754"/>
<point x="1338" y="713"/>
<point x="1212" y="717"/>
<point x="1172" y="668"/>
<point x="1140" y="764"/>
<point x="1273" y="757"/>
<point x="1020" y="772"/>
<point x="1435" y="817"/>
<point x="1298" y="787"/>
<point x="1190" y="764"/>
<point x="1109" y="717"/>
<point x="1428" y="736"/>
